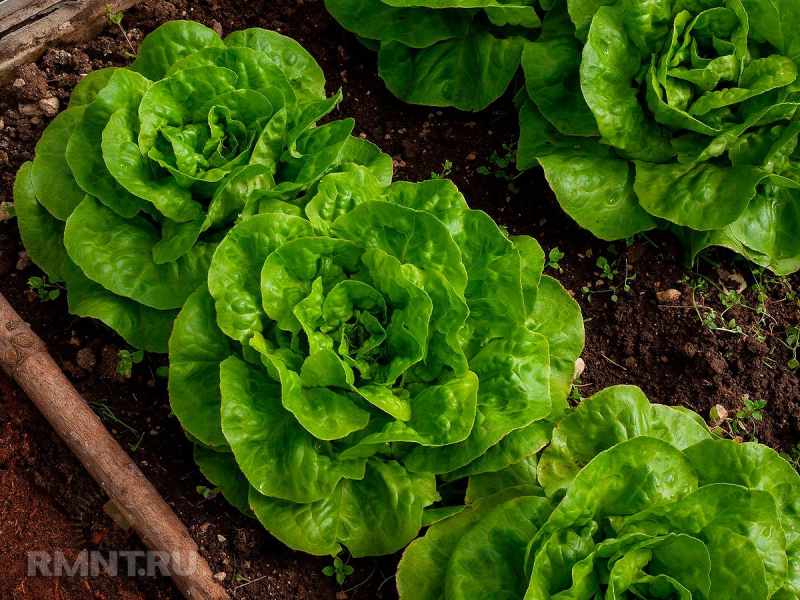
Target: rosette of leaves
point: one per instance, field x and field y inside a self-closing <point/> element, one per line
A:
<point x="346" y="360"/>
<point x="630" y="500"/>
<point x="461" y="53"/>
<point x="134" y="185"/>
<point x="674" y="113"/>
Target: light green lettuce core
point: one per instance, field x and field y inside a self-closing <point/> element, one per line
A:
<point x="134" y="185"/>
<point x="630" y="500"/>
<point x="345" y="361"/>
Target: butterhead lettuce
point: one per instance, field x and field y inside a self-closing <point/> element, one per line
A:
<point x="349" y="357"/>
<point x="671" y="113"/>
<point x="134" y="185"/>
<point x="633" y="500"/>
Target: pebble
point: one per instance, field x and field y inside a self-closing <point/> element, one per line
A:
<point x="669" y="297"/>
<point x="580" y="367"/>
<point x="50" y="106"/>
<point x="220" y="576"/>
<point x="18" y="83"/>
<point x="23" y="261"/>
<point x="30" y="110"/>
<point x="221" y="539"/>
<point x="718" y="414"/>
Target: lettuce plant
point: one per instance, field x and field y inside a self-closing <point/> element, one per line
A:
<point x="349" y="355"/>
<point x="134" y="185"/>
<point x="630" y="500"/>
<point x="461" y="53"/>
<point x="671" y="113"/>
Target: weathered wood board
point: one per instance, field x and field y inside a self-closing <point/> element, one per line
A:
<point x="29" y="27"/>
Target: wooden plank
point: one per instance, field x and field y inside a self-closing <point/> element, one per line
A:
<point x="14" y="13"/>
<point x="66" y="22"/>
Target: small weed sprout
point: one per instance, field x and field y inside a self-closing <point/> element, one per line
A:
<point x="744" y="422"/>
<point x="207" y="493"/>
<point x="609" y="272"/>
<point x="45" y="290"/>
<point x="105" y="413"/>
<point x="339" y="569"/>
<point x="127" y="359"/>
<point x="714" y="320"/>
<point x="553" y="257"/>
<point x="760" y="295"/>
<point x="575" y="395"/>
<point x="793" y="344"/>
<point x="115" y="18"/>
<point x="135" y="446"/>
<point x="793" y="457"/>
<point x="447" y="168"/>
<point x="748" y="416"/>
<point x="502" y="163"/>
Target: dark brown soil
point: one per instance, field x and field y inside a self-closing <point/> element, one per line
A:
<point x="48" y="501"/>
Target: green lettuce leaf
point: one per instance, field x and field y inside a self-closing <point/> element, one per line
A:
<point x="155" y="163"/>
<point x="350" y="351"/>
<point x="639" y="501"/>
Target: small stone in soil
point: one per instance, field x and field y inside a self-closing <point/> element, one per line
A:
<point x="24" y="261"/>
<point x="49" y="106"/>
<point x="580" y="367"/>
<point x="668" y="297"/>
<point x="30" y="110"/>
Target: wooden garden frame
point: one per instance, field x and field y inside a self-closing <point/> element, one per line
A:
<point x="29" y="27"/>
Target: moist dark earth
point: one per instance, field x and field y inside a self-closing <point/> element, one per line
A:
<point x="663" y="343"/>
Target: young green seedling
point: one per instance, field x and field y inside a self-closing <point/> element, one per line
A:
<point x="793" y="457"/>
<point x="115" y="18"/>
<point x="609" y="272"/>
<point x="339" y="569"/>
<point x="553" y="257"/>
<point x="45" y="290"/>
<point x="104" y="411"/>
<point x="207" y="493"/>
<point x="744" y="421"/>
<point x="793" y="343"/>
<point x="714" y="320"/>
<point x="447" y="168"/>
<point x="127" y="359"/>
<point x="501" y="166"/>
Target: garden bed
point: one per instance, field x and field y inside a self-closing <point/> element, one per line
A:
<point x="665" y="345"/>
